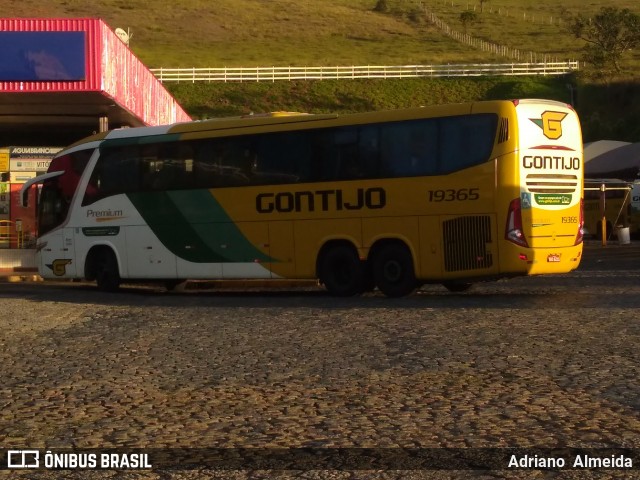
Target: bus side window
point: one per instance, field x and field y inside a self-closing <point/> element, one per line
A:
<point x="121" y="171"/>
<point x="396" y="150"/>
<point x="176" y="167"/>
<point x="424" y="147"/>
<point x="324" y="156"/>
<point x="369" y="151"/>
<point x="186" y="157"/>
<point x="453" y="145"/>
<point x="206" y="158"/>
<point x="346" y="150"/>
<point x="467" y="140"/>
<point x="280" y="158"/>
<point x="237" y="163"/>
<point x="161" y="167"/>
<point x="117" y="171"/>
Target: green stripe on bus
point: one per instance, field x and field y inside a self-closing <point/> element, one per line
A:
<point x="194" y="227"/>
<point x="214" y="226"/>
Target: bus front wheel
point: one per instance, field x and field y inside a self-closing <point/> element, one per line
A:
<point x="107" y="274"/>
<point x="393" y="270"/>
<point x="341" y="271"/>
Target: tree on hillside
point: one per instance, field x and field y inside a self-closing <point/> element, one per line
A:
<point x="468" y="18"/>
<point x="381" y="6"/>
<point x="609" y="35"/>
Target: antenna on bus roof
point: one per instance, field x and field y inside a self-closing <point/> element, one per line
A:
<point x="124" y="36"/>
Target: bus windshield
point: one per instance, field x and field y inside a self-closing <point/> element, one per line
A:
<point x="57" y="192"/>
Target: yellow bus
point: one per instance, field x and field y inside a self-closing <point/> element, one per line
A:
<point x="390" y="200"/>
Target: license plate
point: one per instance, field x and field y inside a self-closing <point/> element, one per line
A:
<point x="553" y="257"/>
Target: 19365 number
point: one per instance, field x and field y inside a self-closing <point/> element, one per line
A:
<point x="452" y="195"/>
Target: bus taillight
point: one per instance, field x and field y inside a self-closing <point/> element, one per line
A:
<point x="580" y="234"/>
<point x="514" y="231"/>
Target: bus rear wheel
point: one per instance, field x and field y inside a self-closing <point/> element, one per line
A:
<point x="341" y="271"/>
<point x="393" y="270"/>
<point x="107" y="274"/>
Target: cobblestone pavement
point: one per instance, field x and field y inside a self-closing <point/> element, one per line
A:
<point x="529" y="362"/>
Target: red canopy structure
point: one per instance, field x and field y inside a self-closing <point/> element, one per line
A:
<point x="62" y="79"/>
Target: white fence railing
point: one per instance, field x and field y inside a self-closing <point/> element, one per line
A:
<point x="272" y="74"/>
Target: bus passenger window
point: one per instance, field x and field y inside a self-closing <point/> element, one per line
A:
<point x="280" y="158"/>
<point x="369" y="151"/>
<point x="467" y="140"/>
<point x="205" y="165"/>
<point x="392" y="145"/>
<point x="117" y="171"/>
<point x="175" y="166"/>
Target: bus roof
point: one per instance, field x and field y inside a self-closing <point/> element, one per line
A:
<point x="196" y="128"/>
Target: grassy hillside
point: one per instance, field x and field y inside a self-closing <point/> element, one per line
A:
<point x="348" y="96"/>
<point x="529" y="25"/>
<point x="187" y="33"/>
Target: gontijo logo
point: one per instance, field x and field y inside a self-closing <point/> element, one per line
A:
<point x="59" y="266"/>
<point x="550" y="123"/>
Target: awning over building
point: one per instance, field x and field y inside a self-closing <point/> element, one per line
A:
<point x="63" y="79"/>
<point x="599" y="147"/>
<point x="622" y="162"/>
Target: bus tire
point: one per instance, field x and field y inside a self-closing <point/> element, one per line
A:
<point x="369" y="283"/>
<point x="107" y="274"/>
<point x="393" y="270"/>
<point x="457" y="287"/>
<point x="341" y="271"/>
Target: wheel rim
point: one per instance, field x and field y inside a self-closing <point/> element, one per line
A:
<point x="393" y="271"/>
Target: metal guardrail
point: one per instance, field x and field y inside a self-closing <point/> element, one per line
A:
<point x="272" y="74"/>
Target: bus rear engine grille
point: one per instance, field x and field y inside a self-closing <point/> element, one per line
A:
<point x="465" y="242"/>
<point x="551" y="183"/>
